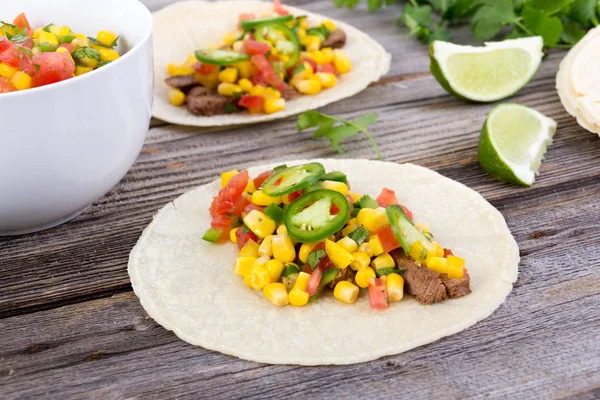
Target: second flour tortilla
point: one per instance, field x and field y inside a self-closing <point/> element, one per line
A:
<point x="188" y="286"/>
<point x="184" y="27"/>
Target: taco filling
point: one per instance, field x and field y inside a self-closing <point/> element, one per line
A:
<point x="300" y="230"/>
<point x="268" y="60"/>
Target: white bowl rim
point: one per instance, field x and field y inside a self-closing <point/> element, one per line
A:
<point x="126" y="56"/>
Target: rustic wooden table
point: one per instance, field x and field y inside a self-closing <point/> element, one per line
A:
<point x="71" y="327"/>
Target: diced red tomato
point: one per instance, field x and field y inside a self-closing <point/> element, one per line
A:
<point x="6" y="86"/>
<point x="329" y="68"/>
<point x="278" y="8"/>
<point x="294" y="195"/>
<point x="388" y="239"/>
<point x="243" y="235"/>
<point x="53" y="67"/>
<point x="252" y="103"/>
<point x="326" y="263"/>
<point x="313" y="281"/>
<point x="238" y="207"/>
<point x="260" y="79"/>
<point x="4" y="43"/>
<point x="224" y="202"/>
<point x="251" y="207"/>
<point x="260" y="179"/>
<point x="266" y="69"/>
<point x="69" y="46"/>
<point x="407" y="212"/>
<point x="378" y="294"/>
<point x="243" y="17"/>
<point x="26" y="65"/>
<point x="313" y="64"/>
<point x="253" y="47"/>
<point x="448" y="252"/>
<point x="10" y="55"/>
<point x="204" y="69"/>
<point x="21" y="21"/>
<point x="222" y="222"/>
<point x="387" y="197"/>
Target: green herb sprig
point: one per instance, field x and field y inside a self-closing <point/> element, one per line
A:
<point x="326" y="127"/>
<point x="560" y="22"/>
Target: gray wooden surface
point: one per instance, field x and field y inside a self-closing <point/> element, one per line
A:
<point x="71" y="327"/>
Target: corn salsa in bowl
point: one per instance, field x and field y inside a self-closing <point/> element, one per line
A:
<point x="33" y="57"/>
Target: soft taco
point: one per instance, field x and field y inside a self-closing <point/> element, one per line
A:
<point x="239" y="62"/>
<point x="332" y="261"/>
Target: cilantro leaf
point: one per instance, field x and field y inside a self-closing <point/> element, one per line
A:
<point x="582" y="11"/>
<point x="347" y="3"/>
<point x="548" y="7"/>
<point x="491" y="16"/>
<point x="541" y="24"/>
<point x="20" y="37"/>
<point x="572" y="33"/>
<point x="326" y="127"/>
<point x="418" y="20"/>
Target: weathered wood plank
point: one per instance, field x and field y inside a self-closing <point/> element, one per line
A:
<point x="419" y="123"/>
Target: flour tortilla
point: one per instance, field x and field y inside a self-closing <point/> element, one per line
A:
<point x="188" y="286"/>
<point x="183" y="27"/>
<point x="579" y="88"/>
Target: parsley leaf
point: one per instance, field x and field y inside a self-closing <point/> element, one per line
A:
<point x="325" y="125"/>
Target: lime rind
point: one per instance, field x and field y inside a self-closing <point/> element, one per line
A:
<point x="500" y="165"/>
<point x="440" y="53"/>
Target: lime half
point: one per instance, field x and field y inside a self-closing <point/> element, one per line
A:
<point x="488" y="73"/>
<point x="513" y="142"/>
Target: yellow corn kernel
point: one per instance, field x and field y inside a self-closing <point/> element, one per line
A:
<point x="243" y="265"/>
<point x="247" y="280"/>
<point x="418" y="251"/>
<point x="372" y="218"/>
<point x="80" y="39"/>
<point x="341" y="61"/>
<point x="394" y="285"/>
<point x="37" y="32"/>
<point x="107" y="38"/>
<point x="227" y="175"/>
<point x="308" y="86"/>
<point x="258" y="90"/>
<point x="364" y="276"/>
<point x="337" y="186"/>
<point x="365" y="247"/>
<point x="232" y="235"/>
<point x="190" y="61"/>
<point x="266" y="247"/>
<point x="283" y="249"/>
<point x="106" y="54"/>
<point x="272" y="93"/>
<point x="64" y="31"/>
<point x="7" y="71"/>
<point x="355" y="196"/>
<point x="433" y="252"/>
<point x="245" y="68"/>
<point x="351" y="226"/>
<point x="228" y="89"/>
<point x="176" y="96"/>
<point x="305" y="250"/>
<point x="228" y="75"/>
<point x="282" y="230"/>
<point x="246" y="85"/>
<point x="439" y="249"/>
<point x="35" y="50"/>
<point x="250" y="187"/>
<point x="339" y="256"/>
<point x="456" y="267"/>
<point x="298" y="298"/>
<point x="62" y="50"/>
<point x="348" y="244"/>
<point x="273" y="105"/>
<point x="304" y="73"/>
<point x="361" y="261"/>
<point x="261" y="199"/>
<point x="79" y="70"/>
<point x="329" y="24"/>
<point x="302" y="281"/>
<point x="327" y="79"/>
<point x="210" y="80"/>
<point x="250" y="249"/>
<point x="176" y="70"/>
<point x="312" y="43"/>
<point x="276" y="293"/>
<point x="259" y="278"/>
<point x="274" y="268"/>
<point x="318" y="57"/>
<point x="261" y="225"/>
<point x="438" y="264"/>
<point x="375" y="245"/>
<point x="88" y="62"/>
<point x="46" y="37"/>
<point x="346" y="292"/>
<point x="327" y="54"/>
<point x="231" y="37"/>
<point x="383" y="261"/>
<point x="260" y="262"/>
<point x="21" y="81"/>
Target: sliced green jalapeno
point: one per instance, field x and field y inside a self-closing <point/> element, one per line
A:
<point x="292" y="179"/>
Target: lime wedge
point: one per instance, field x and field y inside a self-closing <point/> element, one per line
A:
<point x="513" y="142"/>
<point x="488" y="73"/>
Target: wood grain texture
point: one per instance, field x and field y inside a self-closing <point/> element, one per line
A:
<point x="72" y="327"/>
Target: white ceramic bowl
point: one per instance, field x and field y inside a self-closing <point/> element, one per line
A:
<point x="64" y="145"/>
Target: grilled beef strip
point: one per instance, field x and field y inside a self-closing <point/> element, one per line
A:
<point x="336" y="39"/>
<point x="346" y="274"/>
<point x="181" y="81"/>
<point x="426" y="285"/>
<point x="206" y="104"/>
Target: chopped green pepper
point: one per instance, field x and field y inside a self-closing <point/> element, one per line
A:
<point x="328" y="277"/>
<point x="274" y="212"/>
<point x="359" y="235"/>
<point x="212" y="235"/>
<point x="386" y="271"/>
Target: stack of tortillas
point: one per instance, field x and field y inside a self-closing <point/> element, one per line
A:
<point x="578" y="81"/>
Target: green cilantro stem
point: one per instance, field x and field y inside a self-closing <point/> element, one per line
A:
<point x="366" y="132"/>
